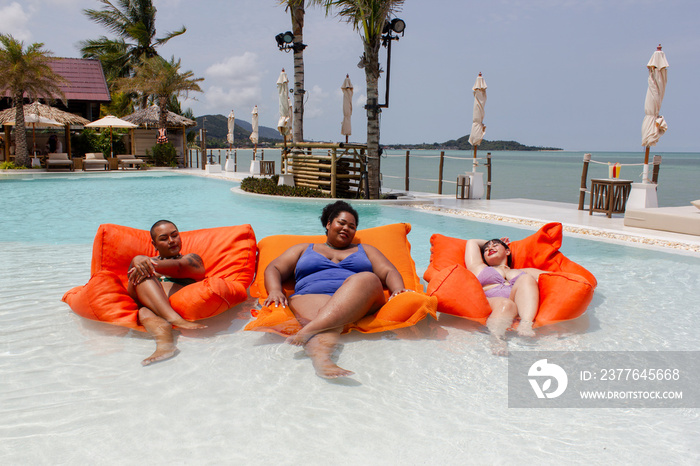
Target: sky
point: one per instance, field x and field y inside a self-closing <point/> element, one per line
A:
<point x="560" y="73"/>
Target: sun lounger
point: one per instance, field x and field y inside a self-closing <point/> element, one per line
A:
<point x="684" y="219"/>
<point x="59" y="160"/>
<point x="95" y="159"/>
<point x="128" y="160"/>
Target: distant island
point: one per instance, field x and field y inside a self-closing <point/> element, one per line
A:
<point x="217" y="128"/>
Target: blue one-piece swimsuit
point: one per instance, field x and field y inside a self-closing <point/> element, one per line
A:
<point x="317" y="274"/>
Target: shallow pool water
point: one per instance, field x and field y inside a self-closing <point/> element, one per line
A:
<point x="73" y="391"/>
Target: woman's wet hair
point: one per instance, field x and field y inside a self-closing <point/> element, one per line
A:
<point x="159" y="223"/>
<point x="331" y="211"/>
<point x="496" y="240"/>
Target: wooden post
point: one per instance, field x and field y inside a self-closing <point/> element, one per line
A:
<point x="235" y="160"/>
<point x="333" y="173"/>
<point x="407" y="168"/>
<point x="442" y="165"/>
<point x="184" y="147"/>
<point x="7" y="142"/>
<point x="67" y="138"/>
<point x="584" y="176"/>
<point x="488" y="175"/>
<point x="262" y="154"/>
<point x="655" y="173"/>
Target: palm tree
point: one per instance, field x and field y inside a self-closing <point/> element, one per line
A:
<point x="297" y="12"/>
<point x="26" y="71"/>
<point x="368" y="17"/>
<point x="134" y="22"/>
<point x="161" y="79"/>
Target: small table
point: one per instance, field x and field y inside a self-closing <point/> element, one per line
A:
<point x="609" y="196"/>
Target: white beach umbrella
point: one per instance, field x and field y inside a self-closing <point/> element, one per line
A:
<point x="37" y="121"/>
<point x="110" y="121"/>
<point x="654" y="125"/>
<point x="284" y="123"/>
<point x="346" y="125"/>
<point x="478" y="128"/>
<point x="254" y="133"/>
<point x="231" y="123"/>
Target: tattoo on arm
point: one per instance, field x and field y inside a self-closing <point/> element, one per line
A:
<point x="194" y="260"/>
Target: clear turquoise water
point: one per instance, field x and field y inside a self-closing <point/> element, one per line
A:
<point x="73" y="391"/>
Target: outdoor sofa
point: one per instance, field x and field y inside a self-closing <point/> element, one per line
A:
<point x="128" y="160"/>
<point x="95" y="159"/>
<point x="59" y="160"/>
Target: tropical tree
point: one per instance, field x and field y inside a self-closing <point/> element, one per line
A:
<point x="134" y="22"/>
<point x="26" y="71"/>
<point x="368" y="17"/>
<point x="297" y="12"/>
<point x="162" y="79"/>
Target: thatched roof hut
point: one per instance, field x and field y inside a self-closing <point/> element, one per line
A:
<point x="149" y="117"/>
<point x="7" y="116"/>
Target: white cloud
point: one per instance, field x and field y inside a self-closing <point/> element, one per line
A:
<point x="235" y="82"/>
<point x="317" y="102"/>
<point x="14" y="20"/>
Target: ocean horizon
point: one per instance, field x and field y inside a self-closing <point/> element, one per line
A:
<point x="538" y="175"/>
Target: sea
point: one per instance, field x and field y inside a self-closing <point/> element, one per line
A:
<point x="539" y="175"/>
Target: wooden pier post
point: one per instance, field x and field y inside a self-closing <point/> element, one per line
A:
<point x="655" y="172"/>
<point x="442" y="165"/>
<point x="407" y="168"/>
<point x="584" y="176"/>
<point x="488" y="175"/>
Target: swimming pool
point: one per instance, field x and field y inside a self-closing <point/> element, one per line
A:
<point x="73" y="390"/>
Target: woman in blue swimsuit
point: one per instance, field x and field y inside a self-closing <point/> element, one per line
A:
<point x="510" y="292"/>
<point x="337" y="282"/>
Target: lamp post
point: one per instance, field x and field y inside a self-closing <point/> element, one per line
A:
<point x="397" y="26"/>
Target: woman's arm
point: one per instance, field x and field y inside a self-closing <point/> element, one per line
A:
<point x="279" y="271"/>
<point x="472" y="256"/>
<point x="187" y="266"/>
<point x="385" y="270"/>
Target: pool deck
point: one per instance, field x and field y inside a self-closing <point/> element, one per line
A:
<point x="531" y="213"/>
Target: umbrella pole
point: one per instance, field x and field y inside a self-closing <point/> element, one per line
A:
<point x="111" y="144"/>
<point x="474" y="160"/>
<point x="645" y="172"/>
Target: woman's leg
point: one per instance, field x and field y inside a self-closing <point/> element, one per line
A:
<point x="526" y="295"/>
<point x="320" y="349"/>
<point x="503" y="312"/>
<point x="162" y="333"/>
<point x="359" y="295"/>
<point x="153" y="295"/>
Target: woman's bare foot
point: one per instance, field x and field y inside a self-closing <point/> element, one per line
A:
<point x="299" y="339"/>
<point x="328" y="369"/>
<point x="186" y="324"/>
<point x="525" y="329"/>
<point x="162" y="352"/>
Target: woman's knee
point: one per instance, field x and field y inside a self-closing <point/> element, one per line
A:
<point x="503" y="306"/>
<point x="367" y="280"/>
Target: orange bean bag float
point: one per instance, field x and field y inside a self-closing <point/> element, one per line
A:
<point x="403" y="310"/>
<point x="228" y="254"/>
<point x="564" y="294"/>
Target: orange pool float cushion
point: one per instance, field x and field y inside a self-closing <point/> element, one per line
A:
<point x="228" y="254"/>
<point x="565" y="293"/>
<point x="403" y="310"/>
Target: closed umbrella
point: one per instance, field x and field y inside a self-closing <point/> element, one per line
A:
<point x="110" y="121"/>
<point x="254" y="132"/>
<point x="284" y="123"/>
<point x="478" y="128"/>
<point x="231" y="124"/>
<point x="346" y="125"/>
<point x="654" y="125"/>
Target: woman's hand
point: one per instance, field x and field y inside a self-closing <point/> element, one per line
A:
<point x="398" y="292"/>
<point x="276" y="298"/>
<point x="506" y="241"/>
<point x="142" y="267"/>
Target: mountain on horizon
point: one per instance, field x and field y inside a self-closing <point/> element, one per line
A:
<point x="217" y="129"/>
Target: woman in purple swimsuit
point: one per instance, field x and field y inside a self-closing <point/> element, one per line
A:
<point x="337" y="282"/>
<point x="510" y="292"/>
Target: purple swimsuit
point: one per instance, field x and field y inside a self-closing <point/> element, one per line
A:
<point x="490" y="276"/>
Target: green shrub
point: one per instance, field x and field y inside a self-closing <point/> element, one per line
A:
<point x="8" y="165"/>
<point x="90" y="140"/>
<point x="269" y="186"/>
<point x="164" y="155"/>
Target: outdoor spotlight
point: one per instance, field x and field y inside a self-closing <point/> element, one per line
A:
<point x="284" y="39"/>
<point x="398" y="25"/>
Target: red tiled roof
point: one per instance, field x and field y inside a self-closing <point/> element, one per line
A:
<point x="86" y="80"/>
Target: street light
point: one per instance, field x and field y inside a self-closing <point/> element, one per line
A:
<point x="285" y="42"/>
<point x="397" y="26"/>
